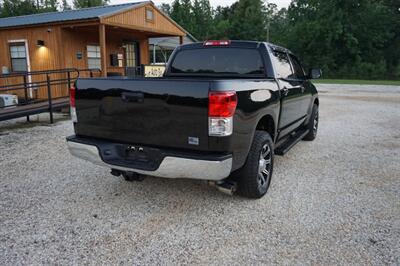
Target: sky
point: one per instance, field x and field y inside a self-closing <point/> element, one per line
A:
<point x="214" y="3"/>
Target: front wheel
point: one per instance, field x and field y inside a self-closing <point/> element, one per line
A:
<point x="254" y="177"/>
<point x="313" y="124"/>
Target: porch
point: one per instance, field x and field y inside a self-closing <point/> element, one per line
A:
<point x="39" y="54"/>
<point x="116" y="50"/>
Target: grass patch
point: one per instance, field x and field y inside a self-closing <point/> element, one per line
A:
<point x="357" y="81"/>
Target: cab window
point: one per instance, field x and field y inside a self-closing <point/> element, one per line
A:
<point x="298" y="69"/>
<point x="282" y="65"/>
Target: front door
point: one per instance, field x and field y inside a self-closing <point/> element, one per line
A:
<point x="131" y="56"/>
<point x="292" y="111"/>
<point x="301" y="80"/>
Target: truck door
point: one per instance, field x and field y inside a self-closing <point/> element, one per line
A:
<point x="292" y="113"/>
<point x="301" y="79"/>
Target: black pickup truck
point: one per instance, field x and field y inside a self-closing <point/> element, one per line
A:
<point x="220" y="113"/>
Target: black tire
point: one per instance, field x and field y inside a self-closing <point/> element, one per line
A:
<point x="250" y="177"/>
<point x="132" y="176"/>
<point x="313" y="124"/>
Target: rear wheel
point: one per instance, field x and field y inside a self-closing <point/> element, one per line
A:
<point x="313" y="124"/>
<point x="254" y="177"/>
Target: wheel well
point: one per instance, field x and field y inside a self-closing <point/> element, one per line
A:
<point x="316" y="101"/>
<point x="267" y="124"/>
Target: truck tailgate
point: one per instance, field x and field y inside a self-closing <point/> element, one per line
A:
<point x="155" y="112"/>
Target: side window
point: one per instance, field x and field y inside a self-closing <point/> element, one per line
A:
<point x="18" y="57"/>
<point x="298" y="69"/>
<point x="282" y="65"/>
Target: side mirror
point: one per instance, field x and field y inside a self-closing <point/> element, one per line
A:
<point x="315" y="73"/>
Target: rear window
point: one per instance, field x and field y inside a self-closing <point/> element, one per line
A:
<point x="218" y="61"/>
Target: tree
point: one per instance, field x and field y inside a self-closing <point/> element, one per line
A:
<point x="47" y="6"/>
<point x="11" y="8"/>
<point x="392" y="50"/>
<point x="166" y="8"/>
<point x="65" y="5"/>
<point x="181" y="12"/>
<point x="202" y="19"/>
<point x="89" y="3"/>
<point x="222" y="22"/>
<point x="346" y="38"/>
<point x="249" y="21"/>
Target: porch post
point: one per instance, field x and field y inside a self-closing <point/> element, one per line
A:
<point x="180" y="40"/>
<point x="103" y="53"/>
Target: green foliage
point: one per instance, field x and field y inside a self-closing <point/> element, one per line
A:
<point x="11" y="8"/>
<point x="89" y="3"/>
<point x="182" y="13"/>
<point x="347" y="39"/>
<point x="47" y="5"/>
<point x="65" y="5"/>
<point x="166" y="8"/>
<point x="249" y="21"/>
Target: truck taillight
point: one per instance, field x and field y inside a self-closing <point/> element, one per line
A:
<point x="221" y="108"/>
<point x="217" y="43"/>
<point x="72" y="92"/>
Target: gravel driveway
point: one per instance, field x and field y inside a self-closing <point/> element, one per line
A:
<point x="332" y="201"/>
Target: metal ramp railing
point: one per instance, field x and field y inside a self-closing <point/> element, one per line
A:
<point x="48" y="82"/>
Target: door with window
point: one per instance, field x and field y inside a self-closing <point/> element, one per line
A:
<point x="292" y="113"/>
<point x="19" y="57"/>
<point x="131" y="58"/>
<point x="300" y="79"/>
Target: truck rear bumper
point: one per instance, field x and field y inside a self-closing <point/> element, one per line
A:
<point x="171" y="166"/>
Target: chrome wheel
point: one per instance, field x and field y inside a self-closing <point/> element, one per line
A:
<point x="315" y="126"/>
<point x="264" y="166"/>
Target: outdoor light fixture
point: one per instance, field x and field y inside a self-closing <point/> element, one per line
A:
<point x="40" y="43"/>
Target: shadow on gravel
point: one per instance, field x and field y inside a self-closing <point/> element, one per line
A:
<point x="161" y="190"/>
<point x="35" y="120"/>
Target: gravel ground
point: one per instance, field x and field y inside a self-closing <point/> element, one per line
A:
<point x="332" y="201"/>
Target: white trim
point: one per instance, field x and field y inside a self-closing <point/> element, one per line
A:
<point x="28" y="61"/>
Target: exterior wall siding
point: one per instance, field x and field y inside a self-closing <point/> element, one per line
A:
<point x="136" y="19"/>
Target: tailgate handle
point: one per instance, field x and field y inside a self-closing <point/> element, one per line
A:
<point x="133" y="97"/>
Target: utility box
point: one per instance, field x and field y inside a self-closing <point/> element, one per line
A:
<point x="8" y="100"/>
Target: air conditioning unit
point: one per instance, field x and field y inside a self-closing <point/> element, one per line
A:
<point x="8" y="100"/>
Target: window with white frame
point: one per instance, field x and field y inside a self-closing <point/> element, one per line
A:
<point x="94" y="56"/>
<point x="18" y="57"/>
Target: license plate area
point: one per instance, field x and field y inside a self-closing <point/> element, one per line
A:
<point x="133" y="156"/>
